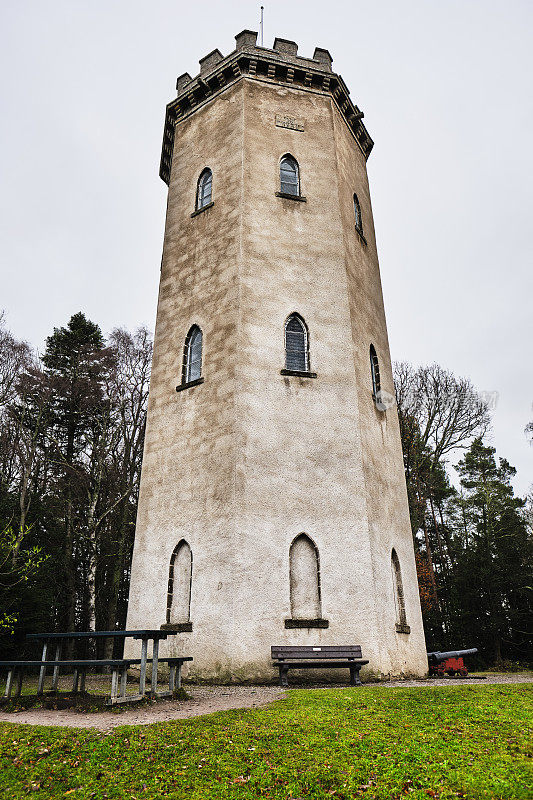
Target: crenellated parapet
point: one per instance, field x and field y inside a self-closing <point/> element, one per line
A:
<point x="281" y="65"/>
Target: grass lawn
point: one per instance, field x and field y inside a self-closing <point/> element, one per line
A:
<point x="462" y="741"/>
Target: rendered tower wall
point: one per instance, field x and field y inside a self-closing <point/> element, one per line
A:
<point x="245" y="462"/>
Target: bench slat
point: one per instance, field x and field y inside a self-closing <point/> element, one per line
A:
<point x="323" y="664"/>
<point x="328" y="651"/>
<point x="303" y="647"/>
<point x="81" y="663"/>
<point x="115" y="662"/>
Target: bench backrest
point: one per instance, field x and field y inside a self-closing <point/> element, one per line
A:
<point x="285" y="653"/>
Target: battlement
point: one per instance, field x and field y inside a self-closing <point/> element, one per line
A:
<point x="247" y="41"/>
<point x="279" y="64"/>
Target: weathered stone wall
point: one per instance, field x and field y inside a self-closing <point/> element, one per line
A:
<point x="242" y="464"/>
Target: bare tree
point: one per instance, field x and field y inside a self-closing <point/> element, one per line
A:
<point x="28" y="418"/>
<point x="15" y="357"/>
<point x="448" y="410"/>
<point x="438" y="414"/>
<point x="134" y="359"/>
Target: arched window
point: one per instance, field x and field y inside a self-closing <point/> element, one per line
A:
<point x="192" y="356"/>
<point x="289" y="176"/>
<point x="179" y="584"/>
<point x="357" y="213"/>
<point x="204" y="189"/>
<point x="374" y="369"/>
<point x="397" y="585"/>
<point x="296" y="344"/>
<point x="304" y="569"/>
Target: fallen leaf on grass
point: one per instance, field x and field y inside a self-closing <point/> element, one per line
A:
<point x="241" y="779"/>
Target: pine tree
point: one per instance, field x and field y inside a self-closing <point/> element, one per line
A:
<point x="75" y="364"/>
<point x="493" y="577"/>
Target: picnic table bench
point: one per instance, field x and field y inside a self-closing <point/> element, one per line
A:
<point x="326" y="656"/>
<point x="119" y="667"/>
<point x="119" y="671"/>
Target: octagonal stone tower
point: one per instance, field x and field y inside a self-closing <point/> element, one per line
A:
<point x="273" y="507"/>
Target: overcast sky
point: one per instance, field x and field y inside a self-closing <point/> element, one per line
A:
<point x="446" y="89"/>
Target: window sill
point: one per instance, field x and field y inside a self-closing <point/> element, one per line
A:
<point x="298" y="197"/>
<point x="189" y="384"/>
<point x="402" y="628"/>
<point x="307" y="623"/>
<point x="361" y="236"/>
<point x="177" y="627"/>
<point x="203" y="208"/>
<point x="298" y="374"/>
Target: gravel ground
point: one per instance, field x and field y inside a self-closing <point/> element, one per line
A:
<point x="209" y="699"/>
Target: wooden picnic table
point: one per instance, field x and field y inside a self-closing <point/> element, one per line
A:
<point x="147" y="635"/>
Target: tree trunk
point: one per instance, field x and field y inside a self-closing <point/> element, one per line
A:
<point x="116" y="579"/>
<point x="70" y="577"/>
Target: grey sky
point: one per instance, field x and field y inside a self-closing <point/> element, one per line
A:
<point x="446" y="90"/>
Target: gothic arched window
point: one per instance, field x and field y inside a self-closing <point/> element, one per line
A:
<point x="304" y="573"/>
<point x="179" y="584"/>
<point x="204" y="189"/>
<point x="374" y="369"/>
<point x="192" y="356"/>
<point x="399" y="599"/>
<point x="357" y="214"/>
<point x="296" y="344"/>
<point x="289" y="176"/>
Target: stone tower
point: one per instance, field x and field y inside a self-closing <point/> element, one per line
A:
<point x="273" y="507"/>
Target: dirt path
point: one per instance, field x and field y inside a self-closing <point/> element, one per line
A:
<point x="207" y="700"/>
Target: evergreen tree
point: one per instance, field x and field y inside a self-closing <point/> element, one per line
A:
<point x="75" y="363"/>
<point x="493" y="575"/>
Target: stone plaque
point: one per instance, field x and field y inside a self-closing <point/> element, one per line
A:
<point x="285" y="121"/>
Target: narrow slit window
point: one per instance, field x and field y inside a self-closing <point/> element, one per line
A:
<point x="296" y="344"/>
<point x="374" y="369"/>
<point x="397" y="584"/>
<point x="358" y="215"/>
<point x="289" y="176"/>
<point x="204" y="190"/>
<point x="192" y="355"/>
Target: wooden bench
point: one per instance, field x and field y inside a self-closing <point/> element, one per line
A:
<point x="119" y="673"/>
<point x="324" y="657"/>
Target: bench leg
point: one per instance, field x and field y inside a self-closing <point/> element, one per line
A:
<point x="283" y="675"/>
<point x="155" y="665"/>
<point x="142" y="677"/>
<point x="123" y="681"/>
<point x="42" y="671"/>
<point x="172" y="678"/>
<point x="55" y="676"/>
<point x="178" y="675"/>
<point x="83" y="676"/>
<point x="354" y="676"/>
<point x="75" y="681"/>
<point x="114" y="684"/>
<point x="9" y="682"/>
<point x="20" y="675"/>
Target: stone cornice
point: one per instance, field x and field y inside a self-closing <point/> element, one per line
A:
<point x="281" y="65"/>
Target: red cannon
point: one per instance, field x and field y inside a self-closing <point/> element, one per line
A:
<point x="450" y="663"/>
